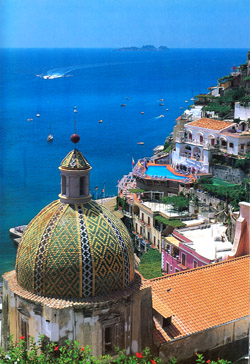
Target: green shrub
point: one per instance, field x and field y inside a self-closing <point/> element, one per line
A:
<point x="180" y="203"/>
<point x="136" y="190"/>
<point x="173" y="223"/>
<point x="71" y="352"/>
<point x="150" y="265"/>
<point x="120" y="202"/>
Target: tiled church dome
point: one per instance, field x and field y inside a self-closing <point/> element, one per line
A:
<point x="75" y="251"/>
<point x="75" y="247"/>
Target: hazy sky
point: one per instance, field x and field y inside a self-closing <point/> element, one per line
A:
<point x="116" y="23"/>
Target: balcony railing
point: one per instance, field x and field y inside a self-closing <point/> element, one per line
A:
<point x="128" y="214"/>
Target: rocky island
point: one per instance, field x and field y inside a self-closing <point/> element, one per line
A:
<point x="145" y="48"/>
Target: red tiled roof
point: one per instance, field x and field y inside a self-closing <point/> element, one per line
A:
<point x="212" y="124"/>
<point x="59" y="303"/>
<point x="204" y="297"/>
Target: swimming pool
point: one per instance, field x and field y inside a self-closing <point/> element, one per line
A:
<point x="162" y="171"/>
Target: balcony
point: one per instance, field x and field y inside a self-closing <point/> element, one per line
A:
<point x="194" y="142"/>
<point x="127" y="214"/>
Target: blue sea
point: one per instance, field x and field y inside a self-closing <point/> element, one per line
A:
<point x="97" y="82"/>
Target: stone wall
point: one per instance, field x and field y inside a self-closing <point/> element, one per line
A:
<point x="203" y="197"/>
<point x="234" y="175"/>
<point x="158" y="185"/>
<point x="229" y="341"/>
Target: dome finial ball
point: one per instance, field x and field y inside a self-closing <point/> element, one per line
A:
<point x="75" y="138"/>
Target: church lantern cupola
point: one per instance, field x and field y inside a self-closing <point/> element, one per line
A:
<point x="75" y="170"/>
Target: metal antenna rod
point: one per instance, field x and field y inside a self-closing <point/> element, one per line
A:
<point x="75" y="111"/>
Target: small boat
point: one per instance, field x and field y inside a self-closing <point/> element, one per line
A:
<point x="29" y="119"/>
<point x="192" y="99"/>
<point x="140" y="143"/>
<point x="51" y="77"/>
<point x="166" y="109"/>
<point x="17" y="231"/>
<point x="100" y="121"/>
<point x="75" y="110"/>
<point x="142" y="112"/>
<point x="161" y="104"/>
<point x="161" y="100"/>
<point x="127" y="98"/>
<point x="123" y="105"/>
<point x="38" y="115"/>
<point x="161" y="116"/>
<point x="186" y="100"/>
<point x="50" y="138"/>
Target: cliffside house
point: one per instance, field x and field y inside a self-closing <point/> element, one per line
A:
<point x="201" y="138"/>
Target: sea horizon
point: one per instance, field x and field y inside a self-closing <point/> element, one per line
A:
<point x="111" y="47"/>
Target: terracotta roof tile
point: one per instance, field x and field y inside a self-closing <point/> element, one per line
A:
<point x="204" y="297"/>
<point x="212" y="124"/>
<point x="63" y="303"/>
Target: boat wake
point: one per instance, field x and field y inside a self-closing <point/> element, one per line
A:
<point x="64" y="71"/>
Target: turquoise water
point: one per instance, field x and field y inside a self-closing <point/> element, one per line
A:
<point x="97" y="81"/>
<point x="161" y="171"/>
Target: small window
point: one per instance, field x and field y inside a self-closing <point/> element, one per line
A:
<point x="81" y="186"/>
<point x="195" y="264"/>
<point x="166" y="322"/>
<point x="108" y="339"/>
<point x="136" y="227"/>
<point x="183" y="259"/>
<point x="63" y="185"/>
<point x="176" y="270"/>
<point x="167" y="268"/>
<point x="201" y="138"/>
<point x="171" y="268"/>
<point x="148" y="236"/>
<point x="154" y="240"/>
<point x="231" y="145"/>
<point x="142" y="216"/>
<point x="24" y="329"/>
<point x="148" y="220"/>
<point x="158" y="244"/>
<point x="140" y="230"/>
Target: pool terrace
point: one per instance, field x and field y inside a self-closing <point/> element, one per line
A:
<point x="160" y="172"/>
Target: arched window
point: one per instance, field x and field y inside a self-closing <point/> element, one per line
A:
<point x="81" y="186"/>
<point x="63" y="185"/>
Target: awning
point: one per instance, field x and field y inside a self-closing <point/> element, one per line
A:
<point x="172" y="240"/>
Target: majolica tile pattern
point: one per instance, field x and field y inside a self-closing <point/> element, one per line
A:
<point x="75" y="251"/>
<point x="75" y="160"/>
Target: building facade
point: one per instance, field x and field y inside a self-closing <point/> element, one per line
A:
<point x="200" y="139"/>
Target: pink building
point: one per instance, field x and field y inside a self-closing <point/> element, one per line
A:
<point x="194" y="247"/>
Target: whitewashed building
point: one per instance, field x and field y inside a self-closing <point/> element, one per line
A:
<point x="241" y="112"/>
<point x="200" y="138"/>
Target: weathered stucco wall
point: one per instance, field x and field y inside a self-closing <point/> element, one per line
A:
<point x="130" y="319"/>
<point x="214" y="341"/>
